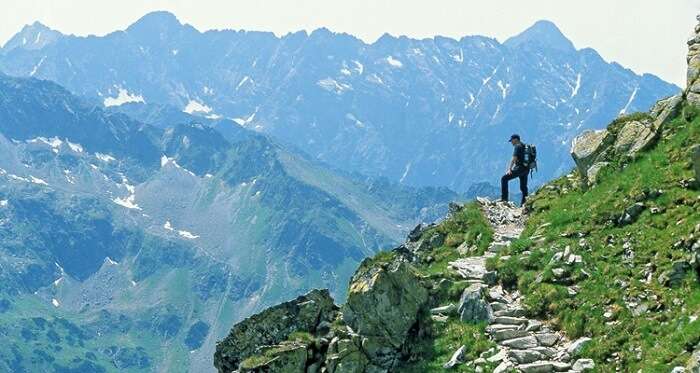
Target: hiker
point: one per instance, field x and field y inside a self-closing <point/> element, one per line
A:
<point x="516" y="169"/>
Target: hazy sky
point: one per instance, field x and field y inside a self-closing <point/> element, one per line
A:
<point x="645" y="35"/>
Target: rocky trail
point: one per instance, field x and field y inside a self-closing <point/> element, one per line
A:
<point x="526" y="345"/>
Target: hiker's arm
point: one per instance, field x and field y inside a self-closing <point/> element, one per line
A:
<point x="511" y="164"/>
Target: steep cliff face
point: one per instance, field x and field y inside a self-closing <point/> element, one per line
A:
<point x="600" y="271"/>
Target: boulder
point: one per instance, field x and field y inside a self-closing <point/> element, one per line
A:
<point x="631" y="214"/>
<point x="415" y="233"/>
<point x="671" y="108"/>
<point x="574" y="348"/>
<point x="473" y="268"/>
<point x="383" y="304"/>
<point x="457" y="358"/>
<point x="633" y="137"/>
<point x="674" y="277"/>
<point x="588" y="148"/>
<point x="583" y="364"/>
<point x="273" y="326"/>
<point x="473" y="306"/>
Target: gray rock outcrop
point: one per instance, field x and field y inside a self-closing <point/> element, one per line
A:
<point x="273" y="326"/>
<point x="383" y="304"/>
<point x="589" y="148"/>
<point x="693" y="76"/>
<point x="473" y="306"/>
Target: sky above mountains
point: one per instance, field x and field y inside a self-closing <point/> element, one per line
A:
<point x="645" y="35"/>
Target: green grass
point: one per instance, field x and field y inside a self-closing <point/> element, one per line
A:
<point x="444" y="338"/>
<point x="469" y="227"/>
<point x="451" y="335"/>
<point x="565" y="215"/>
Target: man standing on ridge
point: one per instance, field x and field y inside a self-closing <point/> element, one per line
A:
<point x="516" y="168"/>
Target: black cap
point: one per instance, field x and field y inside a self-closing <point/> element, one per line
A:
<point x="514" y="136"/>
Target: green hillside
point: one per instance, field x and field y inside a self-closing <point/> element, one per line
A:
<point x="606" y="274"/>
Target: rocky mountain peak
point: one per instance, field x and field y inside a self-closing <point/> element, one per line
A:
<point x="32" y="37"/>
<point x="542" y="33"/>
<point x="158" y="21"/>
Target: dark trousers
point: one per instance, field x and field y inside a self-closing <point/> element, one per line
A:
<point x="520" y="174"/>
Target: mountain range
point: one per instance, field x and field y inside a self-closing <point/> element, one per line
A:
<point x="406" y="109"/>
<point x="124" y="245"/>
<point x="158" y="184"/>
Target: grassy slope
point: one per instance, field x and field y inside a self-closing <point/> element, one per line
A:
<point x="564" y="215"/>
<point x="444" y="338"/>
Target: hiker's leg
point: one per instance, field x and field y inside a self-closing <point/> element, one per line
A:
<point x="504" y="185"/>
<point x="523" y="185"/>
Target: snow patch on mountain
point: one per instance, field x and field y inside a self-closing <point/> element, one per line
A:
<point x="38" y="181"/>
<point x="37" y="66"/>
<point x="54" y="142"/>
<point x="186" y="234"/>
<point x="360" y="68"/>
<point x="127" y="202"/>
<point x="123" y="97"/>
<point x="332" y="85"/>
<point x="75" y="147"/>
<point x="104" y="157"/>
<point x="504" y="89"/>
<point x="629" y="102"/>
<point x="243" y="81"/>
<point x="405" y="172"/>
<point x="394" y="62"/>
<point x="194" y="106"/>
<point x="574" y="91"/>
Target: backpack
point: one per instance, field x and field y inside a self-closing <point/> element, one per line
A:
<point x="530" y="159"/>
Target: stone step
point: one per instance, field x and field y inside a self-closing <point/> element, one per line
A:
<point x="525" y="356"/>
<point x="537" y="367"/>
<point x="521" y="343"/>
<point x="498" y="306"/>
<point x="445" y="310"/>
<point x="501" y="335"/>
<point x="497" y="246"/>
<point x="512" y="312"/>
<point x="544" y="366"/>
<point x="533" y="325"/>
<point x="547" y="352"/>
<point x="547" y="339"/>
<point x="496" y="327"/>
<point x="507" y="237"/>
<point x="510" y="320"/>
